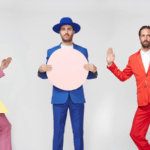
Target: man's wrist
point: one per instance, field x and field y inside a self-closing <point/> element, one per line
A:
<point x="94" y="71"/>
<point x="95" y="74"/>
<point x="109" y="64"/>
<point x="1" y="68"/>
<point x="39" y="73"/>
<point x="40" y="70"/>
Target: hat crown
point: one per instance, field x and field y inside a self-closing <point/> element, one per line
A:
<point x="66" y="20"/>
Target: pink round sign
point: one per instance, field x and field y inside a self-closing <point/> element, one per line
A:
<point x="68" y="71"/>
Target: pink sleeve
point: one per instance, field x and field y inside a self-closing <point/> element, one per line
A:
<point x="1" y="73"/>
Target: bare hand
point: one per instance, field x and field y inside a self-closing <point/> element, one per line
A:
<point x="90" y="67"/>
<point x="5" y="63"/>
<point x="110" y="56"/>
<point x="45" y="68"/>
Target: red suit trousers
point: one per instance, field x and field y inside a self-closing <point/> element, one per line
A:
<point x="140" y="126"/>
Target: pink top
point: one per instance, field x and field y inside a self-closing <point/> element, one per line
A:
<point x="1" y="73"/>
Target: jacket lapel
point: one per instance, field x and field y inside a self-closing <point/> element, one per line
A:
<point x="148" y="68"/>
<point x="74" y="46"/>
<point x="140" y="61"/>
<point x="59" y="46"/>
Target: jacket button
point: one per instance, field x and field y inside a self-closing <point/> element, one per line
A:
<point x="146" y="75"/>
<point x="144" y="85"/>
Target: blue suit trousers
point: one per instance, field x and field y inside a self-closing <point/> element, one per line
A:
<point x="76" y="115"/>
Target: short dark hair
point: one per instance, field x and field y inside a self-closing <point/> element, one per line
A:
<point x="144" y="27"/>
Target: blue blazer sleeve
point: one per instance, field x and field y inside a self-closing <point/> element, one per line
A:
<point x="91" y="75"/>
<point x="43" y="75"/>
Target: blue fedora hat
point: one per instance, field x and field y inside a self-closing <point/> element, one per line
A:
<point x="66" y="21"/>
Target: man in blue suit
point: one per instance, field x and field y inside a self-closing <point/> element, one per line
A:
<point x="62" y="100"/>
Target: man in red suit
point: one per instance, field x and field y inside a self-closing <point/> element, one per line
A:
<point x="139" y="66"/>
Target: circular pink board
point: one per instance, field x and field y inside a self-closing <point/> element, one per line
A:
<point x="68" y="71"/>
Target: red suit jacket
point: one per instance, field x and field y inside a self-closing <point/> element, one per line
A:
<point x="135" y="66"/>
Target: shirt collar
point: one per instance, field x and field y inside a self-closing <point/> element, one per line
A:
<point x="147" y="52"/>
<point x="62" y="46"/>
<point x="61" y="43"/>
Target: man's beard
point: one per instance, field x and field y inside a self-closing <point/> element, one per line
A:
<point x="68" y="40"/>
<point x="145" y="46"/>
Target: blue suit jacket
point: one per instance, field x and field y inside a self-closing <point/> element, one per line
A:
<point x="60" y="96"/>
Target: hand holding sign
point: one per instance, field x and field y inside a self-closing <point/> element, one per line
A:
<point x="45" y="68"/>
<point x="90" y="67"/>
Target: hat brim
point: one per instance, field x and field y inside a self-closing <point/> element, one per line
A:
<point x="75" y="26"/>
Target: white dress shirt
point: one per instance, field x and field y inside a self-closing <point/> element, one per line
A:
<point x="64" y="46"/>
<point x="145" y="59"/>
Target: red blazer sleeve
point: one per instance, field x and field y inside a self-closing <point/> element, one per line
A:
<point x="121" y="75"/>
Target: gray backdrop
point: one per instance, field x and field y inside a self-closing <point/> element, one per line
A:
<point x="26" y="34"/>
